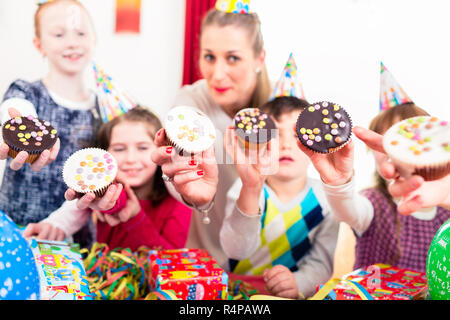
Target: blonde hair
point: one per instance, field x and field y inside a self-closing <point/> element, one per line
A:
<point x="42" y="7"/>
<point x="252" y="24"/>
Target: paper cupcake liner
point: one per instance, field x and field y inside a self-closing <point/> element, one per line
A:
<point x="251" y="145"/>
<point x="99" y="192"/>
<point x="32" y="156"/>
<point x="429" y="173"/>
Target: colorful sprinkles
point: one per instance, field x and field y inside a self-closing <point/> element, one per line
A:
<point x="324" y="126"/>
<point x="90" y="169"/>
<point x="31" y="132"/>
<point x="251" y="120"/>
<point x="420" y="131"/>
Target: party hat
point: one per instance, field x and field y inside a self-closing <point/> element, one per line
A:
<point x="288" y="84"/>
<point x="233" y="6"/>
<point x="39" y="2"/>
<point x="391" y="93"/>
<point x="112" y="100"/>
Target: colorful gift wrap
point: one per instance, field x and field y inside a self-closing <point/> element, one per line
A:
<point x="376" y="282"/>
<point x="191" y="274"/>
<point x="61" y="271"/>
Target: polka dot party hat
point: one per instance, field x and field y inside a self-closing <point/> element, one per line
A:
<point x="391" y="93"/>
<point x="288" y="85"/>
<point x="233" y="6"/>
<point x="112" y="100"/>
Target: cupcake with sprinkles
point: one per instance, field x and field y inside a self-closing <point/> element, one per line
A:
<point x="189" y="130"/>
<point x="28" y="134"/>
<point x="90" y="170"/>
<point x="254" y="128"/>
<point x="420" y="146"/>
<point x="324" y="127"/>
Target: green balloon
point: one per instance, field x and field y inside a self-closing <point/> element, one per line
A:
<point x="438" y="264"/>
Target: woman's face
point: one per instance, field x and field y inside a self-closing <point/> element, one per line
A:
<point x="229" y="65"/>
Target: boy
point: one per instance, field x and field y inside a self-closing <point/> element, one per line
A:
<point x="280" y="226"/>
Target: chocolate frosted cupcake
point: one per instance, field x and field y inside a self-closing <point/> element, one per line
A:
<point x="28" y="134"/>
<point x="419" y="145"/>
<point x="254" y="128"/>
<point x="189" y="130"/>
<point x="90" y="170"/>
<point x="324" y="127"/>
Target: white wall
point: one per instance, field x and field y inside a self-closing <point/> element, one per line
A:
<point x="337" y="44"/>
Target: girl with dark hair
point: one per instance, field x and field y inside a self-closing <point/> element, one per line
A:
<point x="144" y="214"/>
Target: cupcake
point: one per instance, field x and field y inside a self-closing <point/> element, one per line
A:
<point x="28" y="134"/>
<point x="254" y="128"/>
<point x="324" y="127"/>
<point x="189" y="130"/>
<point x="90" y="170"/>
<point x="419" y="145"/>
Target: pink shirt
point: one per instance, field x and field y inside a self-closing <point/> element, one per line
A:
<point x="165" y="226"/>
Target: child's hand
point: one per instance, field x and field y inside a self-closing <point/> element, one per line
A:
<point x="43" y="230"/>
<point x="89" y="200"/>
<point x="131" y="209"/>
<point x="416" y="192"/>
<point x="46" y="157"/>
<point x="334" y="168"/>
<point x="195" y="180"/>
<point x="280" y="281"/>
<point x="253" y="166"/>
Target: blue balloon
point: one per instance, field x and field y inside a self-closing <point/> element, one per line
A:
<point x="19" y="278"/>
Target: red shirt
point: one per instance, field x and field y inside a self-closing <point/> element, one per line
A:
<point x="165" y="226"/>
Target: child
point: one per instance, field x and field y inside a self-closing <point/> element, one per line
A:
<point x="64" y="35"/>
<point x="383" y="235"/>
<point x="280" y="226"/>
<point x="415" y="193"/>
<point x="145" y="214"/>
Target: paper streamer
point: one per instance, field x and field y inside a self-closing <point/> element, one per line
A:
<point x="330" y="285"/>
<point x="117" y="274"/>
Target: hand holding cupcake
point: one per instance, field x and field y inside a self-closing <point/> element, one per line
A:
<point x="90" y="175"/>
<point x="185" y="152"/>
<point x="415" y="192"/>
<point x="28" y="140"/>
<point x="324" y="130"/>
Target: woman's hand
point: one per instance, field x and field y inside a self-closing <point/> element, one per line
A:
<point x="334" y="168"/>
<point x="89" y="200"/>
<point x="195" y="179"/>
<point x="44" y="230"/>
<point x="132" y="208"/>
<point x="415" y="192"/>
<point x="45" y="158"/>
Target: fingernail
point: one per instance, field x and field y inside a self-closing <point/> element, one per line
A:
<point x="192" y="163"/>
<point x="169" y="150"/>
<point x="200" y="173"/>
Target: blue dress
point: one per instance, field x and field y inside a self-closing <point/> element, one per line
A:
<point x="27" y="196"/>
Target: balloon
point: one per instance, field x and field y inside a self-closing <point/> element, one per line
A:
<point x="19" y="278"/>
<point x="438" y="264"/>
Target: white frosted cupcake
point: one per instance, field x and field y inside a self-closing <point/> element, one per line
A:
<point x="189" y="130"/>
<point x="420" y="145"/>
<point x="90" y="170"/>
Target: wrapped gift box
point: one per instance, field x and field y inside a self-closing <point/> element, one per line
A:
<point x="382" y="282"/>
<point x="61" y="270"/>
<point x="191" y="274"/>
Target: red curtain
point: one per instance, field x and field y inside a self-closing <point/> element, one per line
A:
<point x="195" y="11"/>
